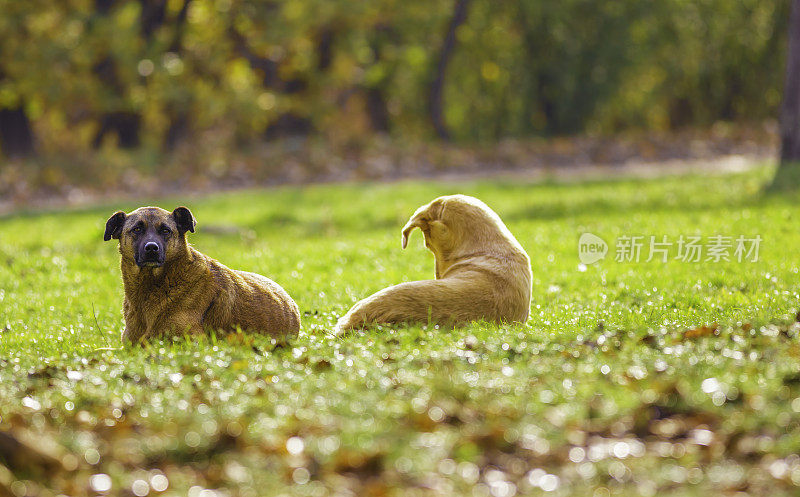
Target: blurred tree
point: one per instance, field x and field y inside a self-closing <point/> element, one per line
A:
<point x="118" y="119"/>
<point x="788" y="174"/>
<point x="16" y="137"/>
<point x="16" y="134"/>
<point x="179" y="127"/>
<point x="169" y="75"/>
<point x="448" y="45"/>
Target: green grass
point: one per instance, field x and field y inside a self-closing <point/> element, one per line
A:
<point x="602" y="391"/>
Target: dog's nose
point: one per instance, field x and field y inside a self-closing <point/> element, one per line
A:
<point x="151" y="247"/>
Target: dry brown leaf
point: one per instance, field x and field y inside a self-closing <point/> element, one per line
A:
<point x="702" y="331"/>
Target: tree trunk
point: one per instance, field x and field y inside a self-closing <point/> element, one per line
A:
<point x="122" y="123"/>
<point x="376" y="110"/>
<point x="152" y="17"/>
<point x="179" y="125"/>
<point x="16" y="137"/>
<point x="125" y="125"/>
<point x="787" y="176"/>
<point x="286" y="124"/>
<point x="375" y="95"/>
<point x="437" y="88"/>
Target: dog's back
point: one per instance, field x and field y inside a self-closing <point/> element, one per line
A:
<point x="249" y="301"/>
<point x="508" y="277"/>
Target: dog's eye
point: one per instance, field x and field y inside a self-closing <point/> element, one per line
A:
<point x="136" y="229"/>
<point x="165" y="231"/>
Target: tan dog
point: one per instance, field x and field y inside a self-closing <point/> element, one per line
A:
<point x="482" y="272"/>
<point x="171" y="288"/>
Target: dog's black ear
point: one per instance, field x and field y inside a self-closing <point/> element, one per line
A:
<point x="114" y="226"/>
<point x="184" y="219"/>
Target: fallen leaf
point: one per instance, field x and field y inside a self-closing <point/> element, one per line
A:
<point x="702" y="331"/>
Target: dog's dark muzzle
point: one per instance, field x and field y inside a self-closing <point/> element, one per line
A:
<point x="151" y="254"/>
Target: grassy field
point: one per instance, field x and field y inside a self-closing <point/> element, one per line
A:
<point x="630" y="378"/>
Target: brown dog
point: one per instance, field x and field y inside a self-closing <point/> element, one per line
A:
<point x="482" y="272"/>
<point x="171" y="288"/>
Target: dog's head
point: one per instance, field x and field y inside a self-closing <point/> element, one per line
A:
<point x="456" y="225"/>
<point x="150" y="236"/>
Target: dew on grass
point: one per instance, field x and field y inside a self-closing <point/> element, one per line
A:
<point x="301" y="476"/>
<point x="436" y="414"/>
<point x="31" y="403"/>
<point x="192" y="439"/>
<point x="159" y="482"/>
<point x="295" y="445"/>
<point x="92" y="456"/>
<point x="100" y="482"/>
<point x="577" y="454"/>
<point x="140" y="488"/>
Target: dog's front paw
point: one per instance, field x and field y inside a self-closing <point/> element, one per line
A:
<point x="355" y="319"/>
<point x="343" y="325"/>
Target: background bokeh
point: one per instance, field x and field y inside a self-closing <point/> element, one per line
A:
<point x="191" y="81"/>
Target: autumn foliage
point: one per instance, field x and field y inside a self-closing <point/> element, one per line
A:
<point x="153" y="75"/>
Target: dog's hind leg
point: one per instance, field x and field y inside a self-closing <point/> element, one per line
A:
<point x="437" y="301"/>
